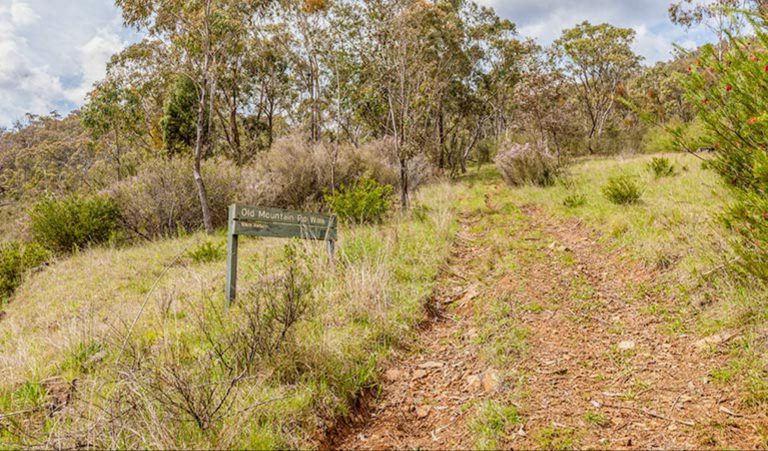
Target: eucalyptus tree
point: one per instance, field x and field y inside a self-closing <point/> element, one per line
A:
<point x="114" y="116"/>
<point x="597" y="59"/>
<point x="198" y="34"/>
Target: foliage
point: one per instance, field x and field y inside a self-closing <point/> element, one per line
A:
<point x="73" y="222"/>
<point x="295" y="172"/>
<point x="522" y="164"/>
<point x="661" y="167"/>
<point x="114" y="116"/>
<point x="729" y="92"/>
<point x="622" y="190"/>
<point x="161" y="199"/>
<point x="44" y="154"/>
<point x="598" y="59"/>
<point x="207" y="252"/>
<point x="575" y="200"/>
<point x="179" y="116"/>
<point x="365" y="201"/>
<point x="16" y="259"/>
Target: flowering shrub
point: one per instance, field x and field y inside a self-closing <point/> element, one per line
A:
<point x="522" y="164"/>
<point x="730" y="94"/>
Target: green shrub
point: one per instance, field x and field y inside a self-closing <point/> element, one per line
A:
<point x="575" y="200"/>
<point x="207" y="252"/>
<point x="15" y="260"/>
<point x="728" y="92"/>
<point x="522" y="164"/>
<point x="622" y="190"/>
<point x="162" y="199"/>
<point x="661" y="167"/>
<point x="366" y="201"/>
<point x="72" y="222"/>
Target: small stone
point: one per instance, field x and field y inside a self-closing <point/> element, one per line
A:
<point x="422" y="411"/>
<point x="393" y="375"/>
<point x="626" y="345"/>
<point x="418" y="374"/>
<point x="474" y="382"/>
<point x="490" y="381"/>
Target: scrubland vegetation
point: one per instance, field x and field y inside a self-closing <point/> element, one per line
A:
<point x="400" y="118"/>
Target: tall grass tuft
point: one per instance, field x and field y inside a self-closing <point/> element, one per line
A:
<point x="622" y="190"/>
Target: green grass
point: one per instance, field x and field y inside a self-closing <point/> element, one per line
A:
<point x="557" y="438"/>
<point x="75" y="320"/>
<point x="492" y="423"/>
<point x="676" y="231"/>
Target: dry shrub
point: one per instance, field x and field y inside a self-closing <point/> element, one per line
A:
<point x="522" y="164"/>
<point x="162" y="198"/>
<point x="295" y="173"/>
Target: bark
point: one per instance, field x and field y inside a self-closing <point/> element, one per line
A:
<point x="404" y="197"/>
<point x="199" y="148"/>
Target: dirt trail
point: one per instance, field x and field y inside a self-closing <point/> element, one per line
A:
<point x="598" y="371"/>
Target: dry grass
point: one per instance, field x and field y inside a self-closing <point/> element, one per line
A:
<point x="675" y="231"/>
<point x="66" y="331"/>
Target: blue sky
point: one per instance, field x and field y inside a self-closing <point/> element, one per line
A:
<point x="52" y="51"/>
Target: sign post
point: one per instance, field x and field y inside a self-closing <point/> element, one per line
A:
<point x="271" y="222"/>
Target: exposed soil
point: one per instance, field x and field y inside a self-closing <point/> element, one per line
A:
<point x="600" y="371"/>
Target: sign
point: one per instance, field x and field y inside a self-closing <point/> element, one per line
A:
<point x="271" y="222"/>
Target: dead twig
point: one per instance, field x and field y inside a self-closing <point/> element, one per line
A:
<point x="651" y="413"/>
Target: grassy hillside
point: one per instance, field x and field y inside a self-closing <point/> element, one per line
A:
<point x="131" y="347"/>
<point x="675" y="231"/>
<point x="177" y="377"/>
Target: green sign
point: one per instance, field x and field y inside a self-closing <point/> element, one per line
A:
<point x="271" y="222"/>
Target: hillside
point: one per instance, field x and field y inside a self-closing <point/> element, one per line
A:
<point x="488" y="317"/>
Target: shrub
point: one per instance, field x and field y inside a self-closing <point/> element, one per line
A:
<point x="575" y="200"/>
<point x="366" y="201"/>
<point x="295" y="173"/>
<point x="162" y="199"/>
<point x="207" y="252"/>
<point x="728" y="92"/>
<point x="661" y="167"/>
<point x="72" y="222"/>
<point x="622" y="190"/>
<point x="17" y="259"/>
<point x="522" y="164"/>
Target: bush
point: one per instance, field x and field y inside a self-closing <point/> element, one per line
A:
<point x="366" y="201"/>
<point x="17" y="259"/>
<point x="72" y="222"/>
<point x="622" y="190"/>
<point x="661" y="167"/>
<point x="162" y="199"/>
<point x="522" y="164"/>
<point x="295" y="173"/>
<point x="207" y="252"/>
<point x="575" y="200"/>
<point x="728" y="92"/>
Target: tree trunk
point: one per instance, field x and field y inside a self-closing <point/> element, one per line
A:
<point x="404" y="200"/>
<point x="199" y="183"/>
<point x="441" y="139"/>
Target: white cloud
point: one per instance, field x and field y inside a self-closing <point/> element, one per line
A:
<point x="544" y="20"/>
<point x="22" y="14"/>
<point x="93" y="59"/>
<point x="51" y="53"/>
<point x="23" y="87"/>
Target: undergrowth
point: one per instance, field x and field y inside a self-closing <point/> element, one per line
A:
<point x="138" y="350"/>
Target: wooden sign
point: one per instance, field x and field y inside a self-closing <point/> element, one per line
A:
<point x="271" y="222"/>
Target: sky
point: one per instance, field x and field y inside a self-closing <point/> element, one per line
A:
<point x="52" y="51"/>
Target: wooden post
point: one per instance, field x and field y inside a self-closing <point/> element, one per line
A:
<point x="271" y="222"/>
<point x="231" y="283"/>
